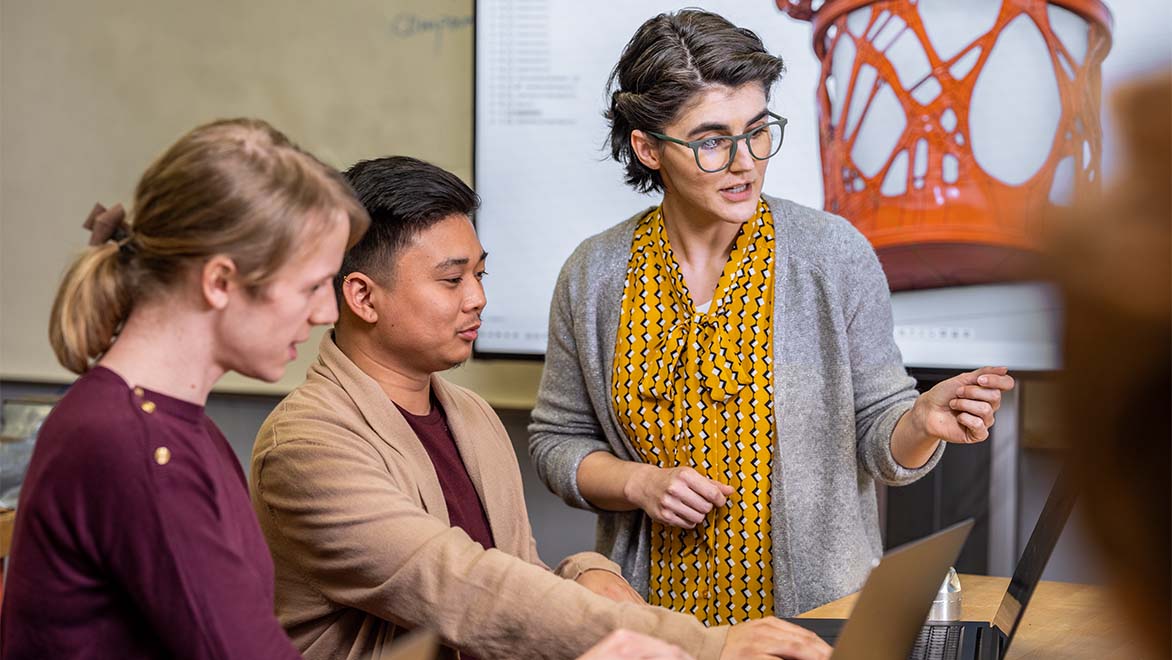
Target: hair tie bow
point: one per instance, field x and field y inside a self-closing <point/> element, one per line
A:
<point x="106" y="224"/>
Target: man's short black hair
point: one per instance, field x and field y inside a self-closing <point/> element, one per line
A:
<point x="403" y="196"/>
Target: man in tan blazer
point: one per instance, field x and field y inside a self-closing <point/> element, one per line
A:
<point x="391" y="498"/>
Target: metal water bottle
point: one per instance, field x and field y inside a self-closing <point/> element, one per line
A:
<point x="947" y="605"/>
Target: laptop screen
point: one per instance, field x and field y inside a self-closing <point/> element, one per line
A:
<point x="1036" y="554"/>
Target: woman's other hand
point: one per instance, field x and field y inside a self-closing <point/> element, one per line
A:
<point x="962" y="408"/>
<point x="771" y="638"/>
<point x="675" y="496"/>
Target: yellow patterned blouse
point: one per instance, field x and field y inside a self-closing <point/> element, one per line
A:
<point x="695" y="389"/>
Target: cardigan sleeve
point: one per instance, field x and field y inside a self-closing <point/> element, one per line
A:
<point x="883" y="390"/>
<point x="564" y="427"/>
<point x="360" y="538"/>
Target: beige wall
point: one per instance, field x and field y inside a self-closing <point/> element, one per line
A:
<point x="90" y="92"/>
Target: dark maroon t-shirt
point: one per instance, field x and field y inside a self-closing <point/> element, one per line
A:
<point x="464" y="507"/>
<point x="135" y="537"/>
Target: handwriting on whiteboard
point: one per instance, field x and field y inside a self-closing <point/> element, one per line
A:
<point x="406" y="25"/>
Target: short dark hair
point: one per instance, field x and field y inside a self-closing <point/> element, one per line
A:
<point x="403" y="196"/>
<point x="671" y="58"/>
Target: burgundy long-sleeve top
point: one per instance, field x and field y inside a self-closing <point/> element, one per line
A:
<point x="135" y="537"/>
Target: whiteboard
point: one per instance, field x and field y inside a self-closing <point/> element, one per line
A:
<point x="93" y="91"/>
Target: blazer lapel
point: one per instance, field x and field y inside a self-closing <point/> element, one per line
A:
<point x="386" y="422"/>
<point x="479" y="441"/>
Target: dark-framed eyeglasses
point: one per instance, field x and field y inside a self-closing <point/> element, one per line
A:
<point x="716" y="153"/>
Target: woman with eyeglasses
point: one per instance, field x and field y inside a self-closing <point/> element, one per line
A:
<point x="722" y="383"/>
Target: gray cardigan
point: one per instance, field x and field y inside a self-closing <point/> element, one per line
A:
<point x="839" y="389"/>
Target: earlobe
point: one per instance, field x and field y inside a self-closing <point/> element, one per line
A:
<point x="646" y="149"/>
<point x="217" y="278"/>
<point x="358" y="292"/>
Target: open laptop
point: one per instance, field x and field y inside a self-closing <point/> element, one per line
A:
<point x="888" y="619"/>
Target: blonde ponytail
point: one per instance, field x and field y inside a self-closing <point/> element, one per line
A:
<point x="92" y="302"/>
<point x="236" y="187"/>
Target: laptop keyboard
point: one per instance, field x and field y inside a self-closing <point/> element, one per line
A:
<point x="937" y="643"/>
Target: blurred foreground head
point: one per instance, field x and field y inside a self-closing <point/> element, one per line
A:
<point x="1112" y="262"/>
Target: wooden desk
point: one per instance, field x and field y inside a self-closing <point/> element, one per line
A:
<point x="1063" y="620"/>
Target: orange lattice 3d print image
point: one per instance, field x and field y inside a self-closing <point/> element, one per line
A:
<point x="949" y="129"/>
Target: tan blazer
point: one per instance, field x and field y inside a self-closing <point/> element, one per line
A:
<point x="357" y="524"/>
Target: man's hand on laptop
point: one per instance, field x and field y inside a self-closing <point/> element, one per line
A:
<point x="627" y="645"/>
<point x="773" y="638"/>
<point x="614" y="587"/>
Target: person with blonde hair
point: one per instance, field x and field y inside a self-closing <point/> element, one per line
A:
<point x="134" y="535"/>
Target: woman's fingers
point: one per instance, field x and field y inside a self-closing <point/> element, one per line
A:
<point x="709" y="489"/>
<point x="691" y="517"/>
<point x="683" y="497"/>
<point x="977" y="430"/>
<point x="994" y="378"/>
<point x="981" y="409"/>
<point x="689" y="497"/>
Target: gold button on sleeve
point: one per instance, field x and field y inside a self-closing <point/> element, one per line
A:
<point x="148" y="406"/>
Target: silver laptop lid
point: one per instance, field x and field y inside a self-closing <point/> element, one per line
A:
<point x="895" y="600"/>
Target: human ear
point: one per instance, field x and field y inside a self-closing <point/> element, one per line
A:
<point x="217" y="278"/>
<point x="646" y="149"/>
<point x="358" y="292"/>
